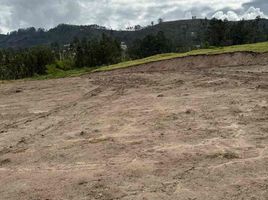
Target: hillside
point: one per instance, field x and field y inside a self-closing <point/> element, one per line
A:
<point x="257" y="48"/>
<point x="250" y="48"/>
<point x="186" y="128"/>
<point x="182" y="33"/>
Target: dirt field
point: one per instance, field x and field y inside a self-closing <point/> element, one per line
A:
<point x="186" y="129"/>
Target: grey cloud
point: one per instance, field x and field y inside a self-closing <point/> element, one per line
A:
<point x="263" y="4"/>
<point x="248" y="10"/>
<point x="41" y="13"/>
<point x="16" y="14"/>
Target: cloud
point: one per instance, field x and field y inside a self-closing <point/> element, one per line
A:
<point x="263" y="4"/>
<point x="230" y="15"/>
<point x="25" y="13"/>
<point x="250" y="13"/>
<point x="117" y="14"/>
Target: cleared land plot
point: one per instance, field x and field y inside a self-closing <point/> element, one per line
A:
<point x="193" y="128"/>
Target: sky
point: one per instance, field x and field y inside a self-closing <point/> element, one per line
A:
<point x="119" y="14"/>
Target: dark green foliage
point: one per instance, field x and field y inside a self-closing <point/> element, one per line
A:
<point x="216" y="33"/>
<point x="96" y="52"/>
<point x="224" y="33"/>
<point x="150" y="45"/>
<point x="94" y="46"/>
<point x="184" y="34"/>
<point x="15" y="64"/>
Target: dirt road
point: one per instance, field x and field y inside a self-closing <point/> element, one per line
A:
<point x="168" y="130"/>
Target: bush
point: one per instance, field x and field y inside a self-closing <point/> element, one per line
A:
<point x="24" y="63"/>
<point x="64" y="64"/>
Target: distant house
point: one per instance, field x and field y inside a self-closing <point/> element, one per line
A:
<point x="193" y="34"/>
<point x="67" y="47"/>
<point x="123" y="46"/>
<point x="124" y="49"/>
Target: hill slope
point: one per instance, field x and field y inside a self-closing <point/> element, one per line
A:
<point x="191" y="128"/>
<point x="254" y="49"/>
<point x="181" y="32"/>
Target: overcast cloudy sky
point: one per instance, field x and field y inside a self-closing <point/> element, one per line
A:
<point x="119" y="14"/>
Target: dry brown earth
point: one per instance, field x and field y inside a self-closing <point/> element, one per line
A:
<point x="192" y="128"/>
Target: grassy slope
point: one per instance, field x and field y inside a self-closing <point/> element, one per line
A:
<point x="258" y="48"/>
<point x="62" y="74"/>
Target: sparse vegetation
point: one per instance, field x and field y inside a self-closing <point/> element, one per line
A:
<point x="225" y="154"/>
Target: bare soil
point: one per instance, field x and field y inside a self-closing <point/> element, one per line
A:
<point x="193" y="128"/>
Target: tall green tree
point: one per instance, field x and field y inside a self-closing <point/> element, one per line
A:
<point x="150" y="45"/>
<point x="216" y="33"/>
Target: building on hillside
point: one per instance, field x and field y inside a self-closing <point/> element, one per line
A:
<point x="123" y="46"/>
<point x="124" y="50"/>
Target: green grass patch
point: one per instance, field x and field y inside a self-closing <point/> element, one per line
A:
<point x="257" y="47"/>
<point x="58" y="73"/>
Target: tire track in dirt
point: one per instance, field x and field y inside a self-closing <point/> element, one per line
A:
<point x="186" y="132"/>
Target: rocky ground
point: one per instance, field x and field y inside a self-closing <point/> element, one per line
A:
<point x="166" y="131"/>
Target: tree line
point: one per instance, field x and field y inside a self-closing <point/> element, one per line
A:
<point x="92" y="53"/>
<point x="150" y="45"/>
<point x="17" y="64"/>
<point x="107" y="50"/>
<point x="225" y="33"/>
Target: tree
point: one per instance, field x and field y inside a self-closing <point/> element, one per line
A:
<point x="79" y="56"/>
<point x="150" y="45"/>
<point x="240" y="33"/>
<point x="110" y="50"/>
<point x="216" y="32"/>
<point x="25" y="62"/>
<point x="97" y="52"/>
<point x="160" y="20"/>
<point x="137" y="27"/>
